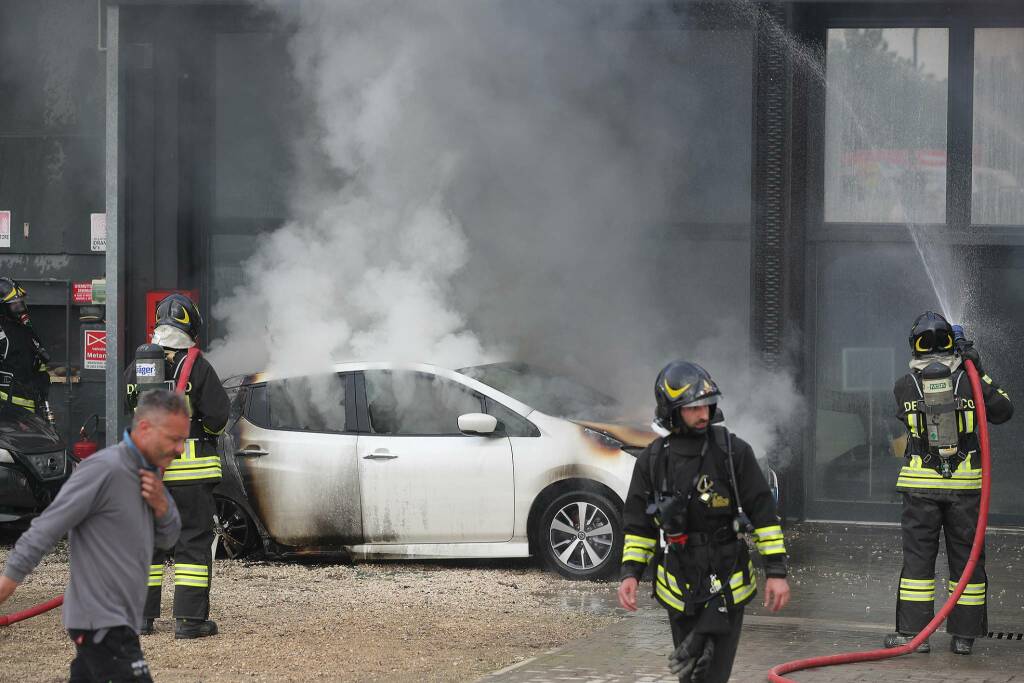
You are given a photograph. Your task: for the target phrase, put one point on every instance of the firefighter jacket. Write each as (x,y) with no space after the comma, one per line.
(922,472)
(24,380)
(693,469)
(208,406)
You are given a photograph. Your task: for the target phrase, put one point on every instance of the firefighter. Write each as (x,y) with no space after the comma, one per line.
(24,380)
(192,476)
(941,480)
(695,487)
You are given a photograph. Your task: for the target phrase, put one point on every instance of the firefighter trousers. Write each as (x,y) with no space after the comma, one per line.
(193,556)
(725,646)
(924,515)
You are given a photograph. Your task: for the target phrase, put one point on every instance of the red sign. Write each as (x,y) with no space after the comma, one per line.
(95,350)
(81,292)
(155,296)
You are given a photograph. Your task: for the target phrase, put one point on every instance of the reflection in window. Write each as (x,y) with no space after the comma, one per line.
(407,403)
(998,175)
(315,403)
(885,129)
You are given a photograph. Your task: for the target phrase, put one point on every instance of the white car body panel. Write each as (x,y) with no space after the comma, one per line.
(443,496)
(427,489)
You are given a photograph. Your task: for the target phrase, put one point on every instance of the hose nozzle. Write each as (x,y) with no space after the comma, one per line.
(958,332)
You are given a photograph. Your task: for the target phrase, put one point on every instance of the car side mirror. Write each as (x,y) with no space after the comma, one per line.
(477,424)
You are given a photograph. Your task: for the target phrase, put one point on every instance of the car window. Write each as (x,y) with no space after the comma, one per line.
(258,409)
(510,423)
(414,403)
(315,403)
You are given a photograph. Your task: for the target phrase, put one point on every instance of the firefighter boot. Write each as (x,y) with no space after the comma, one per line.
(899,639)
(960,645)
(194,628)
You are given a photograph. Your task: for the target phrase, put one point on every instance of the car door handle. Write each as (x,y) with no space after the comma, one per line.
(380,455)
(252,450)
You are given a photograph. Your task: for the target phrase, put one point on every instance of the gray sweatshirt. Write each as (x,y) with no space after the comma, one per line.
(112,532)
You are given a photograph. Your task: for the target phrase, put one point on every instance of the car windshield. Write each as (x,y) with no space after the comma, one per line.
(546,391)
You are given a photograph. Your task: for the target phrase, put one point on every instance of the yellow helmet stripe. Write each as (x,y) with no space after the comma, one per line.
(674,393)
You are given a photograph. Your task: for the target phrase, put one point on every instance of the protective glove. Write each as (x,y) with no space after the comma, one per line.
(966,349)
(692,659)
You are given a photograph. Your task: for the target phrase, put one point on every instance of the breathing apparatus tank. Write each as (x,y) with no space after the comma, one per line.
(940,410)
(149,368)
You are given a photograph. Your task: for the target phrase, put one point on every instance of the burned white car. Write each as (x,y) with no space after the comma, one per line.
(378,460)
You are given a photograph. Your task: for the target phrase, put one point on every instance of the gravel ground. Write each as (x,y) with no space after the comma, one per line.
(411,621)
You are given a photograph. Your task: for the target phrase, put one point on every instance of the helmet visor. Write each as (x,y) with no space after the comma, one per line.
(705,401)
(933,341)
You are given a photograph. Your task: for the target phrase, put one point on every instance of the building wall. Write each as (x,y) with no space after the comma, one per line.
(52,83)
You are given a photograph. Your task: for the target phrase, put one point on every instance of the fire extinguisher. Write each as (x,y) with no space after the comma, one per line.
(86,445)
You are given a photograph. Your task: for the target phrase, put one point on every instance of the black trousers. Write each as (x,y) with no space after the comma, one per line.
(117,657)
(956,514)
(725,646)
(193,557)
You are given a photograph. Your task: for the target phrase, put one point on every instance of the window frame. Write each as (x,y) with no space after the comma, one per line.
(351,419)
(364,407)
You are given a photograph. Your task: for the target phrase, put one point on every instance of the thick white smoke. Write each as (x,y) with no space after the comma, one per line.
(518,180)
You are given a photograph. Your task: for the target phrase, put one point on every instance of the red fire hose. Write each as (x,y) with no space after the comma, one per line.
(7,620)
(776,674)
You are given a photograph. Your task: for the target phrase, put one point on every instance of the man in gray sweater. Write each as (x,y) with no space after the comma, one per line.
(113,508)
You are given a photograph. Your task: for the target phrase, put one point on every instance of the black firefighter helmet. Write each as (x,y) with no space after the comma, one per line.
(177,310)
(930,334)
(12,296)
(681,384)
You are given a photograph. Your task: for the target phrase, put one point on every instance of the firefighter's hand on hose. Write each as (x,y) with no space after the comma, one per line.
(967,351)
(153,493)
(776,594)
(627,593)
(692,659)
(7,586)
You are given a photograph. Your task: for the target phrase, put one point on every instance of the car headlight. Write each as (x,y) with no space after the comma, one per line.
(47,466)
(5,457)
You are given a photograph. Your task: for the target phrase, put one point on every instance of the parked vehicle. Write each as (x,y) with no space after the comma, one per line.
(34,464)
(376,460)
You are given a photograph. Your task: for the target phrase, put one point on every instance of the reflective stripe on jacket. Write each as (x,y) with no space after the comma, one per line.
(195,464)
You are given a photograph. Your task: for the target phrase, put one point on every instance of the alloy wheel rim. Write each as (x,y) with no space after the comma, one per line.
(232,527)
(581,536)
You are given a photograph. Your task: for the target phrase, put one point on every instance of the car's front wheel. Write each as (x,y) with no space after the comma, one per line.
(579,535)
(236,532)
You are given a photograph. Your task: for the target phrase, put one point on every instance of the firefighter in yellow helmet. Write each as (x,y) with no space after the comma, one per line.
(695,488)
(941,480)
(191,477)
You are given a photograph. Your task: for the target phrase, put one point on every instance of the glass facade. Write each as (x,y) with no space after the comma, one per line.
(885,125)
(997,196)
(886,128)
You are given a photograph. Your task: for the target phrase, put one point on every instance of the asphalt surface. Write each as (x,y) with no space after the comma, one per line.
(843,579)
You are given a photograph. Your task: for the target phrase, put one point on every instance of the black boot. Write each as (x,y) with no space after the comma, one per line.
(194,628)
(899,639)
(147,627)
(960,645)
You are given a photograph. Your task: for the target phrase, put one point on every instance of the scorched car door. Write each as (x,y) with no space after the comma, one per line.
(297,463)
(421,480)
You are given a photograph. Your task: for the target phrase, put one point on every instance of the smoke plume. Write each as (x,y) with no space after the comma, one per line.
(561,183)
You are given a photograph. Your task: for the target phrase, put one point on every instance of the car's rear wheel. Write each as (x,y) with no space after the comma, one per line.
(579,535)
(236,532)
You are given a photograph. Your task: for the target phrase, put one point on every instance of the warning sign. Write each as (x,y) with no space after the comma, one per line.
(98,231)
(81,292)
(5,228)
(95,349)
